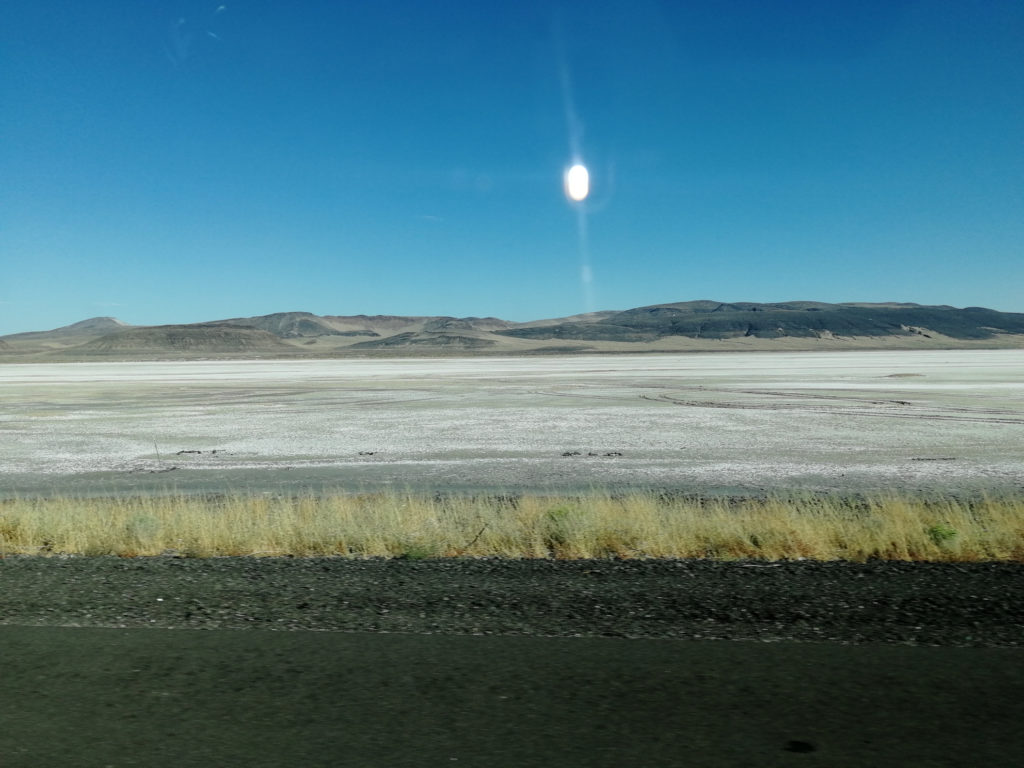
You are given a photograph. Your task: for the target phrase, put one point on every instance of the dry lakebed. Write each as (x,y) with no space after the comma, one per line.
(731,422)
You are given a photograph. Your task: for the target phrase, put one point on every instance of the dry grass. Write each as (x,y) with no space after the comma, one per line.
(588,526)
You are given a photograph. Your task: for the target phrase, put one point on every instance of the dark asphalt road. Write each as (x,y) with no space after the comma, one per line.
(109,662)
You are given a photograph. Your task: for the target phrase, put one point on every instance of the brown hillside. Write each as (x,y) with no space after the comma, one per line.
(185,340)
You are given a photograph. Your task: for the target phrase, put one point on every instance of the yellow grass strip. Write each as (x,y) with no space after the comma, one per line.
(595,525)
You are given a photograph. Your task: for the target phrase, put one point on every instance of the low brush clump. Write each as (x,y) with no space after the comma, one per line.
(642,525)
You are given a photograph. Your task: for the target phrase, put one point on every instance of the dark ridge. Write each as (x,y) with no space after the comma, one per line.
(410,339)
(716,320)
(285,325)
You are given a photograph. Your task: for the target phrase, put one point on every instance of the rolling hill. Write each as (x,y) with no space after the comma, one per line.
(681,326)
(801,319)
(186,341)
(94,326)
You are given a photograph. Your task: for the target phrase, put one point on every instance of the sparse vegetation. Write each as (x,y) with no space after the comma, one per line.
(596,525)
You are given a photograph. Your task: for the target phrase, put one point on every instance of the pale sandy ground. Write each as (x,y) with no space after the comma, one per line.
(741,422)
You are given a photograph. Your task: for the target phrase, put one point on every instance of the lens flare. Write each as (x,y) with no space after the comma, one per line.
(577,183)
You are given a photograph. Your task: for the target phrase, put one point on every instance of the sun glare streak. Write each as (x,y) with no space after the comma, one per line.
(576,180)
(586,270)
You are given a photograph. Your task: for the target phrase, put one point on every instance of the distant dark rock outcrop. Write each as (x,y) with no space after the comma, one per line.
(285,325)
(436,340)
(717,320)
(445,324)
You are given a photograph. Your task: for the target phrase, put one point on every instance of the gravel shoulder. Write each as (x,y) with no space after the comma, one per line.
(963,604)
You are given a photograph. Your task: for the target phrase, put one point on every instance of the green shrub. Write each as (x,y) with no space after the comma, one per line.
(942,533)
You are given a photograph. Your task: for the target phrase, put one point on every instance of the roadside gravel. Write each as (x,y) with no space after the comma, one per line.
(969,604)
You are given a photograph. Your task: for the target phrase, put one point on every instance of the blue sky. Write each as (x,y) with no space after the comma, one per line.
(167,161)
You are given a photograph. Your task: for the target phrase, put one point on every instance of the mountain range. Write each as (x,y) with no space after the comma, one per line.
(681,326)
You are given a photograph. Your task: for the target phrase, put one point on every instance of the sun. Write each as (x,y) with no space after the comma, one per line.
(577,183)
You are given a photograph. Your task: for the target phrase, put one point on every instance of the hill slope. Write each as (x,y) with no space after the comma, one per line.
(186,341)
(286,325)
(94,326)
(715,320)
(675,327)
